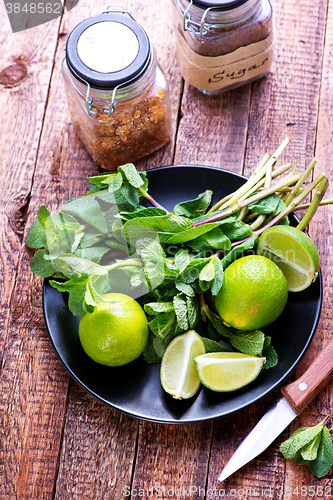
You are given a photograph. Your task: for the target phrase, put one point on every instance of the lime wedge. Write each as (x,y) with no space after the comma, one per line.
(227,371)
(178,374)
(294,252)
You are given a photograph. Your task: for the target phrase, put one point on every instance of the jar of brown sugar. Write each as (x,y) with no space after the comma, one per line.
(222,44)
(118,95)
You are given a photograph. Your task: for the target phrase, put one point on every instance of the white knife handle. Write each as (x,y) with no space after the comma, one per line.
(304,389)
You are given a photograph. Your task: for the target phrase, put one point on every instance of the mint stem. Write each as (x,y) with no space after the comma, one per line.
(151,199)
(238,206)
(323,185)
(326,419)
(295,190)
(129,262)
(297,200)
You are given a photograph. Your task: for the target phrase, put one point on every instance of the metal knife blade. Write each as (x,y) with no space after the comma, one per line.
(275,420)
(297,396)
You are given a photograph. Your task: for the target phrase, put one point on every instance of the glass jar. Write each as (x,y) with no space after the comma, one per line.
(118,96)
(222,44)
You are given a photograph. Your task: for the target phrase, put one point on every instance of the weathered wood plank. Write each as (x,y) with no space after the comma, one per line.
(98,450)
(28,403)
(285,103)
(213,129)
(321,232)
(155,18)
(172,460)
(25,69)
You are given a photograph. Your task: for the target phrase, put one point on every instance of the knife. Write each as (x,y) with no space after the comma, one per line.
(297,396)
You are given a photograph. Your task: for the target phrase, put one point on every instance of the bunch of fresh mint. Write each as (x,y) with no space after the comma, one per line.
(109,240)
(311,445)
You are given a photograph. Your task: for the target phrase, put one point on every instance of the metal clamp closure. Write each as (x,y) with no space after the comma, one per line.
(111,10)
(200,28)
(98,105)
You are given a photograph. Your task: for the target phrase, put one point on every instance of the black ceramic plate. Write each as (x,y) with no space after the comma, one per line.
(135,389)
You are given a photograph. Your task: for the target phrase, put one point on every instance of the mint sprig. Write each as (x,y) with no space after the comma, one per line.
(311,445)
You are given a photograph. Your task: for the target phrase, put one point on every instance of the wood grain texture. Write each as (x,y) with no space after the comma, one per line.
(320,231)
(213,129)
(98,450)
(28,410)
(172,460)
(287,101)
(25,71)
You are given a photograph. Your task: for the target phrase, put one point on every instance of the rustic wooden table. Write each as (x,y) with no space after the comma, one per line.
(56,441)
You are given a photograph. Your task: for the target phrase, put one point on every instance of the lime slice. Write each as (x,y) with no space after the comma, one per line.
(294,252)
(227,371)
(178,374)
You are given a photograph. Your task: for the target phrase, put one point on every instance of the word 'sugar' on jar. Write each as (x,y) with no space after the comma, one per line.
(118,95)
(222,44)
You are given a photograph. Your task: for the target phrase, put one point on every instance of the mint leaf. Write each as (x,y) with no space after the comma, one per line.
(236,230)
(313,445)
(267,205)
(250,343)
(42,215)
(309,451)
(71,284)
(323,464)
(40,266)
(193,312)
(79,266)
(104,182)
(217,282)
(36,236)
(163,324)
(165,226)
(180,305)
(93,253)
(213,240)
(143,212)
(130,173)
(87,209)
(127,197)
(196,207)
(185,288)
(299,439)
(182,259)
(212,346)
(153,308)
(191,233)
(270,354)
(207,274)
(192,270)
(75,300)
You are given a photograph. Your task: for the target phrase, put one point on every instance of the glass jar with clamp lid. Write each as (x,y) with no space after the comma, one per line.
(118,95)
(222,44)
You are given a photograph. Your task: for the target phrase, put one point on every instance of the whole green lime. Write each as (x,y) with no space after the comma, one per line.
(116,332)
(254,293)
